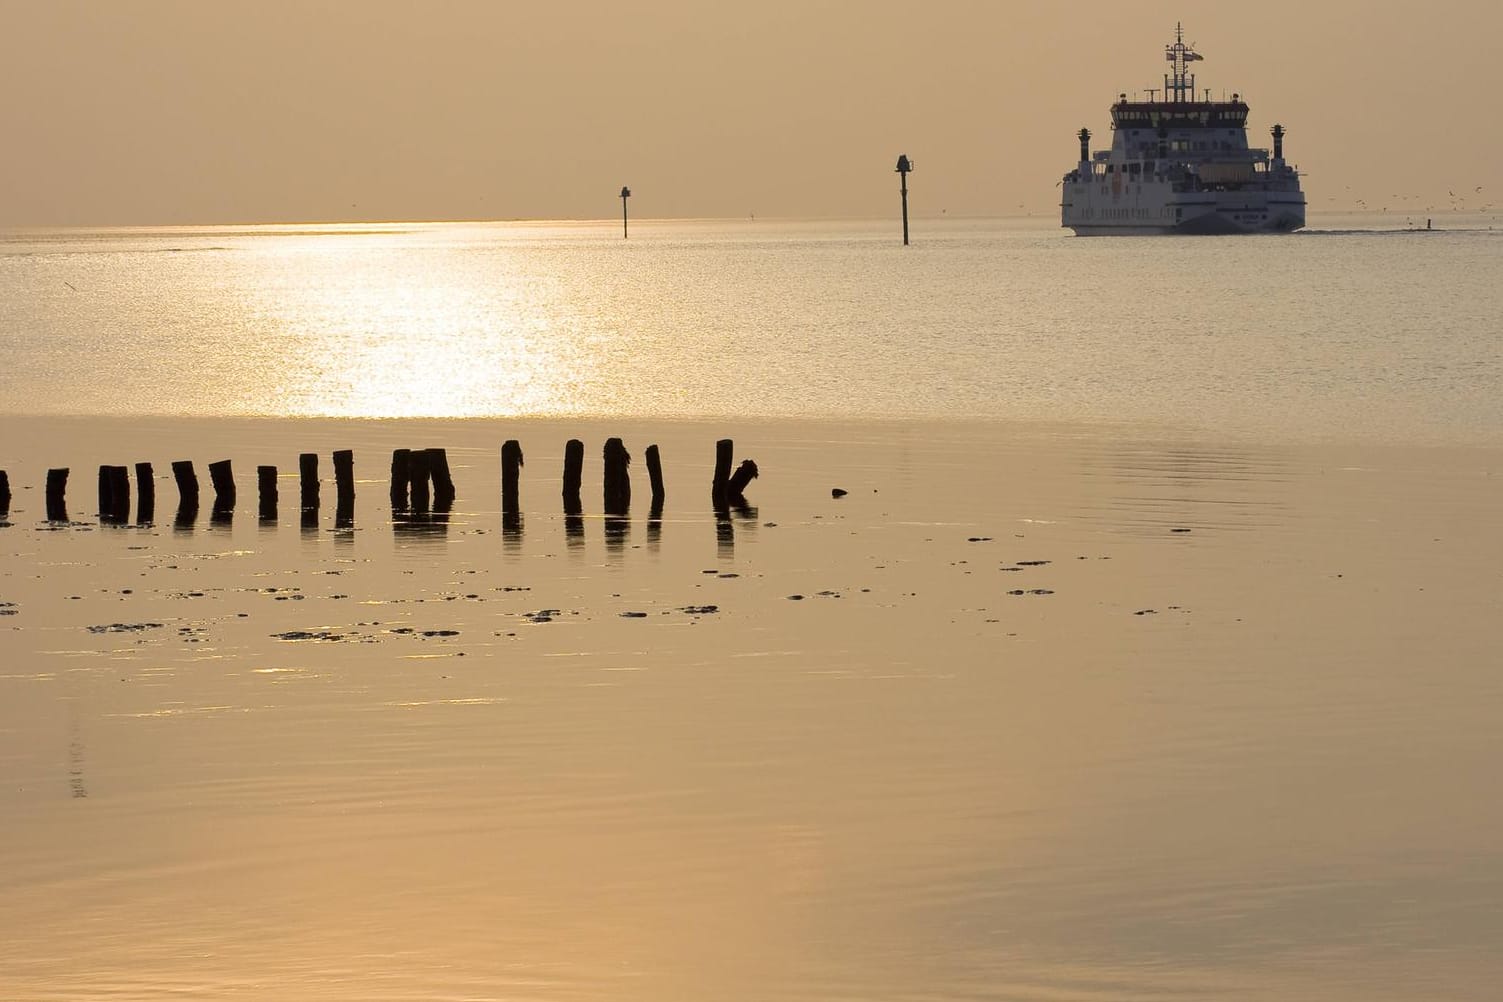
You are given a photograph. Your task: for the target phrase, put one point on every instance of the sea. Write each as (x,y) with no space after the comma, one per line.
(1111,619)
(1359,327)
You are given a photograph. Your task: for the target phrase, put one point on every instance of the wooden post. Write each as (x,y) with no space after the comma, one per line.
(344,488)
(573,475)
(266,481)
(114,494)
(307,469)
(443,483)
(119,494)
(744,475)
(417,479)
(723,452)
(57,489)
(617,479)
(399,485)
(511,470)
(223,478)
(187,483)
(655,476)
(146,495)
(106,505)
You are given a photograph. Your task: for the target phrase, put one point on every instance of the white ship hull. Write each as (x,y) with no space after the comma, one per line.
(1153,208)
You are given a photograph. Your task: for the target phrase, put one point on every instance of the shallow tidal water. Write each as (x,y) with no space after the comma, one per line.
(1146,701)
(1348,330)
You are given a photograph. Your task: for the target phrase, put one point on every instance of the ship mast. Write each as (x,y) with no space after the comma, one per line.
(1179,85)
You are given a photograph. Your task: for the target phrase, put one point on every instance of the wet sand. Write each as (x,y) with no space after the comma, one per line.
(1031,712)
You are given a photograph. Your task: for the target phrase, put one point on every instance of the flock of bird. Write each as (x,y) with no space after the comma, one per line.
(1458,203)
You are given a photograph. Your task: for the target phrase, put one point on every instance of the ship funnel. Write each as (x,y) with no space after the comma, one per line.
(1085,144)
(1278,142)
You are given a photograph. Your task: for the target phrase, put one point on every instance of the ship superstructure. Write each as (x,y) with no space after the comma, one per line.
(1181,165)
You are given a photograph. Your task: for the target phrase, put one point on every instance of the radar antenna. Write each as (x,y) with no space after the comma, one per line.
(1179,85)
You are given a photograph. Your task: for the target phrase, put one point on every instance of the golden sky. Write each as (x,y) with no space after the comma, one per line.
(201,111)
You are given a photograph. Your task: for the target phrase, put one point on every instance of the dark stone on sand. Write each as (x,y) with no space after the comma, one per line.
(837,492)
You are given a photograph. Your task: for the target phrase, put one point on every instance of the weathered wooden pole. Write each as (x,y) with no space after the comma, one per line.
(119,493)
(625,194)
(57,489)
(443,483)
(573,475)
(744,475)
(904,166)
(223,478)
(655,477)
(307,472)
(114,494)
(187,483)
(266,482)
(511,472)
(617,479)
(344,488)
(399,484)
(417,480)
(724,450)
(146,494)
(106,510)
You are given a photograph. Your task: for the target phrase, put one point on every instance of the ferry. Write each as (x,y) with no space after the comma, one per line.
(1181,165)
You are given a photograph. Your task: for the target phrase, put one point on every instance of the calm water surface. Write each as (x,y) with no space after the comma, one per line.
(1152,668)
(1334,333)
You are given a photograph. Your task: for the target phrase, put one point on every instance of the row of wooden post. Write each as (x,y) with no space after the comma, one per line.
(114,490)
(420,482)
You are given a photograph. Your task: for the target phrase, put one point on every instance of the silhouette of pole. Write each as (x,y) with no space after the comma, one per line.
(904,166)
(57,487)
(511,474)
(146,494)
(625,194)
(573,476)
(266,487)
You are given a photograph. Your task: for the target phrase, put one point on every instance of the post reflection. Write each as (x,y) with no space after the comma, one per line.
(511,531)
(617,529)
(655,525)
(419,526)
(726,517)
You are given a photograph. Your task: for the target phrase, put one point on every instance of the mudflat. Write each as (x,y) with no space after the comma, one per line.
(1030,711)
